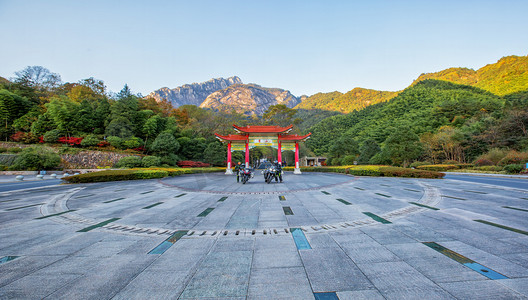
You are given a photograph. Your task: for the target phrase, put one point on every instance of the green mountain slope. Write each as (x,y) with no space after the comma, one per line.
(356,99)
(424,107)
(508,75)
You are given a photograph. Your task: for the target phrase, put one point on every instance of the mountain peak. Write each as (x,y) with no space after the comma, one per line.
(194,93)
(249,99)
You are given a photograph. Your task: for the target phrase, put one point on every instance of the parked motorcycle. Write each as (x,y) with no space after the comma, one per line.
(247,173)
(272,173)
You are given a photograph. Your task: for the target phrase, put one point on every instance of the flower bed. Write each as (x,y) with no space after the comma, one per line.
(192,164)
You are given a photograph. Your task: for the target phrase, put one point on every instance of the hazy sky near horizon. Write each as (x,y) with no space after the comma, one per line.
(304,46)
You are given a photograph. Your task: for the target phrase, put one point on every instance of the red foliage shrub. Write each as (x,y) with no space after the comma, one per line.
(41,139)
(140,149)
(103,144)
(72,141)
(192,164)
(18,136)
(483,162)
(24,137)
(514,157)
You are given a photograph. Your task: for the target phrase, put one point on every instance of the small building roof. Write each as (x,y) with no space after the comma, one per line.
(294,137)
(262,129)
(232,137)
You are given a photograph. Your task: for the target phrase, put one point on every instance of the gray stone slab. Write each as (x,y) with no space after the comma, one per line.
(518,258)
(329,269)
(71,265)
(444,269)
(487,289)
(421,233)
(35,286)
(386,235)
(519,285)
(276,258)
(222,274)
(285,242)
(142,246)
(105,280)
(105,248)
(352,236)
(413,251)
(168,285)
(279,283)
(234,244)
(182,257)
(368,252)
(360,295)
(321,240)
(396,276)
(496,263)
(417,293)
(24,266)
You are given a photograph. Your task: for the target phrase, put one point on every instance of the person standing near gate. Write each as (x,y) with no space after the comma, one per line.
(238,168)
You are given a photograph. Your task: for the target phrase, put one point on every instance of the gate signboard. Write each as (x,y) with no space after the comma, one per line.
(288,147)
(238,147)
(263,141)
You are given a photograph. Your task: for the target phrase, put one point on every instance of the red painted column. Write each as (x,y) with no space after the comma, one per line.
(279,153)
(247,154)
(296,155)
(229,163)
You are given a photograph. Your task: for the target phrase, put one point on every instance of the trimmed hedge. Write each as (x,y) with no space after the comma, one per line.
(116,175)
(135,174)
(373,170)
(438,168)
(488,168)
(404,172)
(514,168)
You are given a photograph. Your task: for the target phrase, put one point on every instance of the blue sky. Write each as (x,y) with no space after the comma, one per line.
(303,46)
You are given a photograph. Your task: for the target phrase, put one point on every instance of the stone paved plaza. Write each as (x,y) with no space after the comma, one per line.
(315,236)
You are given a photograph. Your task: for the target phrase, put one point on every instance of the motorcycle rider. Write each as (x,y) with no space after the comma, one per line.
(279,170)
(238,169)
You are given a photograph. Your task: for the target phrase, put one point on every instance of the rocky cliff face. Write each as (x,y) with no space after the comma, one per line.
(249,99)
(194,93)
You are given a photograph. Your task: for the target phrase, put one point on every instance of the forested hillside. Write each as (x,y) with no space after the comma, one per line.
(508,75)
(445,121)
(355,99)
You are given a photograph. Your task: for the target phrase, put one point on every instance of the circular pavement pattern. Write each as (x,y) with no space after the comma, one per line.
(215,204)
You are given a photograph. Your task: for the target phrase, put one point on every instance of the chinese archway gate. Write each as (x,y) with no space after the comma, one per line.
(254,136)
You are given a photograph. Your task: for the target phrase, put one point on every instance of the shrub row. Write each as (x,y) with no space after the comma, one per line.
(135,174)
(116,175)
(510,168)
(438,168)
(372,170)
(192,164)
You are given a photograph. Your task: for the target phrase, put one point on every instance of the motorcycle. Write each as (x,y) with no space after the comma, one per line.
(272,173)
(246,175)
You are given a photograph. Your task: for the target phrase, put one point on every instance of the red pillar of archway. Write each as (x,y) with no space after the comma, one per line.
(297,170)
(279,153)
(229,163)
(247,154)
